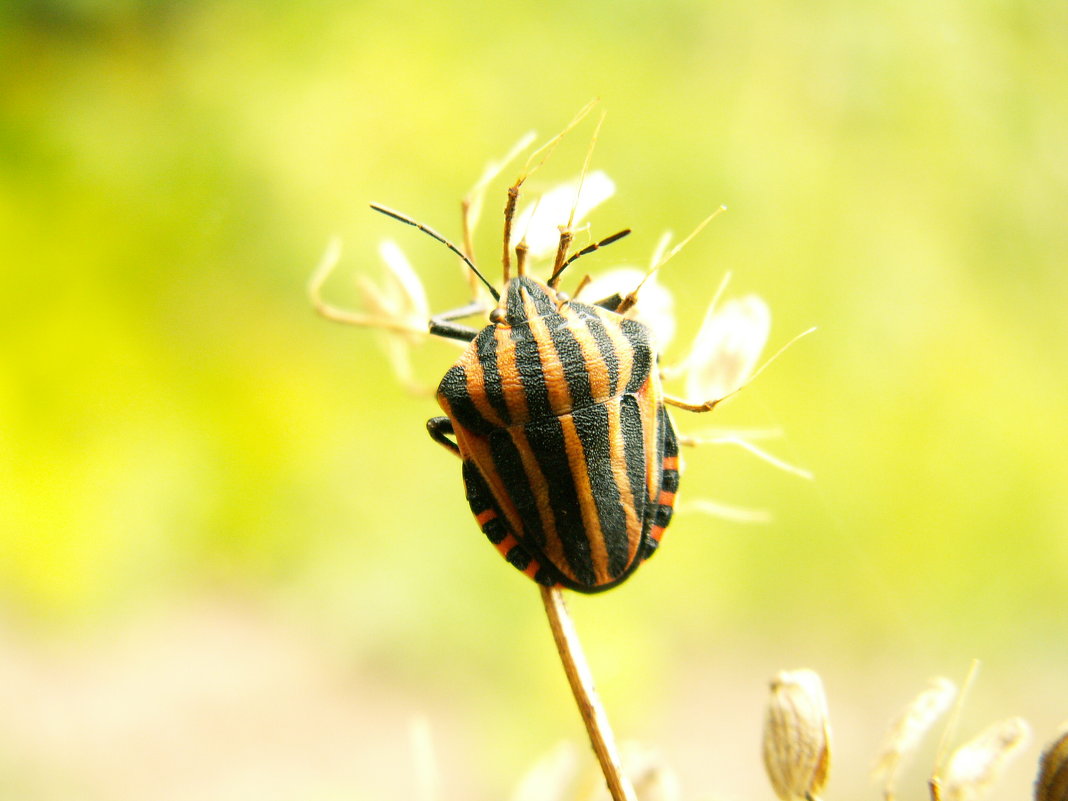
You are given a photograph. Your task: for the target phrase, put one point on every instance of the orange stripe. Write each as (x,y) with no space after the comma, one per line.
(649,401)
(552,367)
(476,387)
(477,449)
(600,388)
(671,462)
(619,474)
(463,436)
(514,396)
(554,548)
(506,545)
(621,345)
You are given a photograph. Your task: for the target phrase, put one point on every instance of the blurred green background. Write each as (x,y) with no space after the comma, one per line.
(233,565)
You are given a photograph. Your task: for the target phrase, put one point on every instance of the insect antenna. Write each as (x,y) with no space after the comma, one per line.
(567,232)
(396,215)
(472,202)
(632,297)
(608,240)
(528,170)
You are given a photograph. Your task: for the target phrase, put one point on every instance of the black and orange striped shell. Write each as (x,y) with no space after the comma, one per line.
(570,458)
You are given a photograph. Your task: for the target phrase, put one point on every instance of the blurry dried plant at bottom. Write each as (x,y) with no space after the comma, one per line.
(567,774)
(797,736)
(975,766)
(906,732)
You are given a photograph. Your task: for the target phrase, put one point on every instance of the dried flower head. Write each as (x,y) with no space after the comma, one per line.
(1052,781)
(567,774)
(907,731)
(977,764)
(797,736)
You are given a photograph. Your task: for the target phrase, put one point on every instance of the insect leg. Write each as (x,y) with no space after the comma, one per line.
(442,325)
(612,302)
(449,330)
(704,406)
(709,405)
(439,428)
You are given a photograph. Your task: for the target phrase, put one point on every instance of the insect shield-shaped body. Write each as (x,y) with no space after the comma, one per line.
(570,459)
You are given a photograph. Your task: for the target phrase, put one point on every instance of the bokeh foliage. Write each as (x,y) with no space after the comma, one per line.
(174,420)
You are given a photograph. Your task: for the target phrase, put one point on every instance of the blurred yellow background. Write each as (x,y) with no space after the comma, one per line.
(233,565)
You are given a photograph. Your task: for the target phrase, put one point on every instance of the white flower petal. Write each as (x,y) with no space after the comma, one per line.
(539,222)
(727,348)
(656,305)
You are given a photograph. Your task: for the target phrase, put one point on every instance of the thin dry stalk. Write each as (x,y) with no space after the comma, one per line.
(581,680)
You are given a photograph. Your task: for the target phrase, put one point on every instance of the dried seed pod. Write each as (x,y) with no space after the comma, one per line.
(1052,781)
(977,764)
(797,736)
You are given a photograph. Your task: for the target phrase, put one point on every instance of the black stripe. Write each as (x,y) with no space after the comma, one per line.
(667,427)
(638,336)
(481,500)
(670,481)
(547,443)
(576,371)
(592,426)
(531,375)
(517,556)
(547,576)
(515,311)
(630,425)
(478,493)
(453,388)
(486,346)
(656,513)
(663,515)
(509,467)
(495,530)
(596,327)
(649,546)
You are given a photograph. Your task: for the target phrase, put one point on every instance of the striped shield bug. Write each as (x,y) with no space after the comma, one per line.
(570,459)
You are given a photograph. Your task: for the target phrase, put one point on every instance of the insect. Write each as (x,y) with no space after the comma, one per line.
(570,459)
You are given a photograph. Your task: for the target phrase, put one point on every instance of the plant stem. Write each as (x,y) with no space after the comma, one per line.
(581,680)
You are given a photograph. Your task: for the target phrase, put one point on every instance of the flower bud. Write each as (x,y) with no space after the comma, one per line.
(1052,781)
(797,737)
